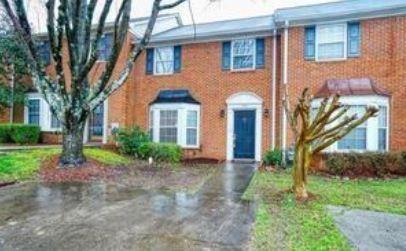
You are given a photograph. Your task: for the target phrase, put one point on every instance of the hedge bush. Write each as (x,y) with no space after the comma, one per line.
(19,133)
(5,133)
(130,139)
(272,157)
(160,152)
(370,164)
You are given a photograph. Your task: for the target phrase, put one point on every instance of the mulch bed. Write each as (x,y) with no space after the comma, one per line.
(3,184)
(89,171)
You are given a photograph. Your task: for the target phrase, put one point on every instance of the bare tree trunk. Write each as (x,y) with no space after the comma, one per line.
(300,167)
(72,146)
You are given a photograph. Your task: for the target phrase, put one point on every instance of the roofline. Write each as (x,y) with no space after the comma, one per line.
(204,39)
(266,30)
(110,25)
(396,10)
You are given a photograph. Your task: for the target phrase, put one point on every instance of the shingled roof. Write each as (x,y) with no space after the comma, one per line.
(349,87)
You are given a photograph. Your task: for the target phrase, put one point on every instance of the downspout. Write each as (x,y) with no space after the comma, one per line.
(273,91)
(285,82)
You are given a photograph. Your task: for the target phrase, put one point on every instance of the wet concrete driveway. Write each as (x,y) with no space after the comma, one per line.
(101,216)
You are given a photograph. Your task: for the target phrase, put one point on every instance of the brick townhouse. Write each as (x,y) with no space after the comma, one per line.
(216,88)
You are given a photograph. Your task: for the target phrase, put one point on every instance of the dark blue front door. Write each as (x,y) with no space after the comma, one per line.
(244,133)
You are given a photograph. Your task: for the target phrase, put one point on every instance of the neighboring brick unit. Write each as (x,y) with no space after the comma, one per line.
(383,59)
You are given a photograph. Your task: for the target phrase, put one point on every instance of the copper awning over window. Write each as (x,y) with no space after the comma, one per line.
(351,87)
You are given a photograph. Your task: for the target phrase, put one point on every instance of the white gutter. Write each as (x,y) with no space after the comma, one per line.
(285,82)
(273,92)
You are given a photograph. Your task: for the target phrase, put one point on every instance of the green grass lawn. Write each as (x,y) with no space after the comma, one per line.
(22,165)
(283,224)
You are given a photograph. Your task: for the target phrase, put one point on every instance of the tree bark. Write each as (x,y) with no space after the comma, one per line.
(72,146)
(301,165)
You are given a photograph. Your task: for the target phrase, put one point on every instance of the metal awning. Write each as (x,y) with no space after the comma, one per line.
(175,96)
(351,87)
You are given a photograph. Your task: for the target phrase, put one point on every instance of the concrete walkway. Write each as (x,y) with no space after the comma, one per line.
(371,231)
(100,216)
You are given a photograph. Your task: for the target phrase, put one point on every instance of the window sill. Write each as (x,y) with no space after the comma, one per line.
(331,60)
(162,74)
(191,147)
(243,70)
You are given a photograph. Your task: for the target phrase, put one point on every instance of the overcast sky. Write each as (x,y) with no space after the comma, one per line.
(203,10)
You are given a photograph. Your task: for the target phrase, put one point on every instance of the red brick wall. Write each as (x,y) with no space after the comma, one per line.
(203,76)
(383,58)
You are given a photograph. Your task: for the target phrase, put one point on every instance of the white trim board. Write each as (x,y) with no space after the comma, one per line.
(240,102)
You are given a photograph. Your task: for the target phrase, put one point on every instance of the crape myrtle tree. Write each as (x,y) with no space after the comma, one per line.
(71,21)
(316,130)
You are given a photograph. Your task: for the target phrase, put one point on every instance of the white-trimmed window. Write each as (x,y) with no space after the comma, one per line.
(357,138)
(164,60)
(191,128)
(151,124)
(331,42)
(38,112)
(168,126)
(383,128)
(175,123)
(55,123)
(34,111)
(372,135)
(243,54)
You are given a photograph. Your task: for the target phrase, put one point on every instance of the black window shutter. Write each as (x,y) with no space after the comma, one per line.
(226,55)
(150,61)
(310,43)
(177,58)
(260,57)
(354,38)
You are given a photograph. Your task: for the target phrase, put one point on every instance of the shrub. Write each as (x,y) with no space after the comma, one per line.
(370,164)
(130,139)
(5,133)
(25,134)
(160,152)
(19,133)
(272,158)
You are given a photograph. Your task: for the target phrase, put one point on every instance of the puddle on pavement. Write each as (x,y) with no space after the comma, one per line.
(106,216)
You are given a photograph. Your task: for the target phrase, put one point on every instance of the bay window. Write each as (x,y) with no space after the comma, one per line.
(37,112)
(373,134)
(175,123)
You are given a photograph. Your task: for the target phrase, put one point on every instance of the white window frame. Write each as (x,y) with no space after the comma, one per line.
(173,60)
(45,114)
(170,126)
(182,122)
(345,38)
(254,58)
(372,123)
(387,128)
(364,125)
